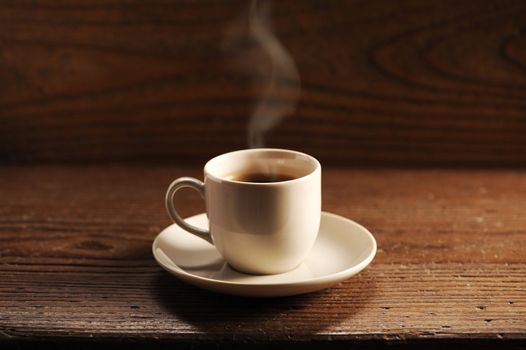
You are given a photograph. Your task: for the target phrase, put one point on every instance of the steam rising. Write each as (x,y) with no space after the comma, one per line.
(272,64)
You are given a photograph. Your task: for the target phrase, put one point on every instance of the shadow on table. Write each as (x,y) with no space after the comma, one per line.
(285,317)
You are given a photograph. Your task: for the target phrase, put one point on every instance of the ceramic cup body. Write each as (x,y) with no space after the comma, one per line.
(261,228)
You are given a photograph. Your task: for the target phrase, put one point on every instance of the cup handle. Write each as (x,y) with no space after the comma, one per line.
(197,185)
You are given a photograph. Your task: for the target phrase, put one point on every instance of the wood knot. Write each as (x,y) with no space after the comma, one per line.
(92,245)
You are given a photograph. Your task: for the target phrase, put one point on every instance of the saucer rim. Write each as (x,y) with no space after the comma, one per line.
(341,275)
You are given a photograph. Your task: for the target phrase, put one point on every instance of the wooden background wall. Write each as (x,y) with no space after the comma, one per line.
(384,82)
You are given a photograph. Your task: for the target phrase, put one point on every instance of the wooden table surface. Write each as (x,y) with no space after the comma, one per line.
(413,83)
(76,263)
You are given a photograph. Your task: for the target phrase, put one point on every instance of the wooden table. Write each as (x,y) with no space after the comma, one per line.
(76,265)
(408,84)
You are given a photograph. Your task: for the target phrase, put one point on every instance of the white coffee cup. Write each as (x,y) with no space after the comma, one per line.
(258,227)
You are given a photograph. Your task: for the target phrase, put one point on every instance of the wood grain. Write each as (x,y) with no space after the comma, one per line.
(432,82)
(76,263)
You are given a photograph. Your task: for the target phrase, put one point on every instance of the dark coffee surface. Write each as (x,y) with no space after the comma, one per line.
(260,177)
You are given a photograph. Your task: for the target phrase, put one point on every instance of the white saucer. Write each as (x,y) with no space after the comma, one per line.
(343,248)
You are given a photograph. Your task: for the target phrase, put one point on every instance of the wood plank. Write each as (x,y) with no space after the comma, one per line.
(76,264)
(429,82)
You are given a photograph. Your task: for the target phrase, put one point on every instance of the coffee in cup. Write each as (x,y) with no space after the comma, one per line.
(263,207)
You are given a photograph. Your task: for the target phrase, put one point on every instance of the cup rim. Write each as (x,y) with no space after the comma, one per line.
(209,174)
